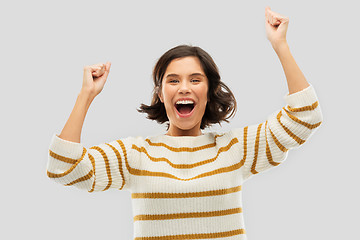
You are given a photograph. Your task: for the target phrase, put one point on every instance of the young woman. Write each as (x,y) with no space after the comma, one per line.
(186,184)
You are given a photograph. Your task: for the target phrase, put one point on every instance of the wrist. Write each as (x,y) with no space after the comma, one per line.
(86,96)
(280,46)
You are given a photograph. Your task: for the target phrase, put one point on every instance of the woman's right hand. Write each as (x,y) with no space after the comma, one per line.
(94,78)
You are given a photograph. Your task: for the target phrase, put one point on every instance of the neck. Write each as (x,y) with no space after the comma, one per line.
(181,132)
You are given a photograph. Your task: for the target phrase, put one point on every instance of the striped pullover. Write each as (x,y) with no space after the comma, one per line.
(187,187)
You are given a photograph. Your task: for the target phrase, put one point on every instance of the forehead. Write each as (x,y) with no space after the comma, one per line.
(184,65)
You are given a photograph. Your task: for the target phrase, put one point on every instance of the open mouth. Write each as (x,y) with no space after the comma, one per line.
(185,109)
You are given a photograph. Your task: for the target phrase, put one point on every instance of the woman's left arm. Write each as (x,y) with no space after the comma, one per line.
(276,27)
(266,145)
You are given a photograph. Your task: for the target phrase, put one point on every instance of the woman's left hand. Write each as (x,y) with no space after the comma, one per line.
(276,26)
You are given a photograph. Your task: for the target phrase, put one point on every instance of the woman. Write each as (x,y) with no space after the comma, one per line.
(186,184)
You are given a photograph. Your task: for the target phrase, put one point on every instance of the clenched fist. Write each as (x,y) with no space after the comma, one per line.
(276,26)
(95,77)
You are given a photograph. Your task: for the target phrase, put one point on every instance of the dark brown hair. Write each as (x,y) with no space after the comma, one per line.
(221,104)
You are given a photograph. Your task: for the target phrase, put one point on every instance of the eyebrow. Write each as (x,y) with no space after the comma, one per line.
(191,75)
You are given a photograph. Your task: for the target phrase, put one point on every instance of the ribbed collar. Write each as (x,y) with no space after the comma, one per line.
(184,141)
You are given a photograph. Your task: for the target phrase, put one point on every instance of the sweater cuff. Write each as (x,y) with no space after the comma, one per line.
(66,148)
(302,98)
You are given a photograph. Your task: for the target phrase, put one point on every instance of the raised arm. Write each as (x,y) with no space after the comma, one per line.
(97,168)
(276,27)
(266,145)
(93,82)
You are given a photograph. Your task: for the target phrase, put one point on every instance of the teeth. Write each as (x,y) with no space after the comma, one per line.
(185,102)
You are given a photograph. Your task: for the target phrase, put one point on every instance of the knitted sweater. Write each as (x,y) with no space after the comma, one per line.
(187,187)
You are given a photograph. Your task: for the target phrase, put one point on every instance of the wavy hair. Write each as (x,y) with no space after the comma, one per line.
(221,104)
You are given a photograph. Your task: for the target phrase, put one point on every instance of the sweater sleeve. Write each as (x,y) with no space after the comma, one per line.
(266,145)
(97,168)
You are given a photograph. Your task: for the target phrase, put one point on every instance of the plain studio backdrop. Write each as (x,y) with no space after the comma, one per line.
(44,46)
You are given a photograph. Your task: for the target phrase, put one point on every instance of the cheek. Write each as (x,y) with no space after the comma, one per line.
(204,94)
(167,95)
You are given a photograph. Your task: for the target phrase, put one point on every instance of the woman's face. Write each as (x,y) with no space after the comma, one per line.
(184,94)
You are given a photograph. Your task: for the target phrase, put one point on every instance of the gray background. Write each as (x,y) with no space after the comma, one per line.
(45,45)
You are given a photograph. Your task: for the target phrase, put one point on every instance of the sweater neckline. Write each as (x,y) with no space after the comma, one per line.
(185,137)
(179,140)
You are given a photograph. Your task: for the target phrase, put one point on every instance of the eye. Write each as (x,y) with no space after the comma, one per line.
(173,81)
(195,80)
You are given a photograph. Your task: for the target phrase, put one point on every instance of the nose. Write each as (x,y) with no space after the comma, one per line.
(184,87)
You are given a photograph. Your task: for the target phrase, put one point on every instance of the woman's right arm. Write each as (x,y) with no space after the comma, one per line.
(73,126)
(93,82)
(97,168)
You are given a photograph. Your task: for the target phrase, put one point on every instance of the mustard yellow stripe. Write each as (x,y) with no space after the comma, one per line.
(120,164)
(107,165)
(62,158)
(222,149)
(58,175)
(305,108)
(245,140)
(139,172)
(126,159)
(308,125)
(268,151)
(196,236)
(92,160)
(184,149)
(253,171)
(277,142)
(291,134)
(171,216)
(84,178)
(157,195)
(124,151)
